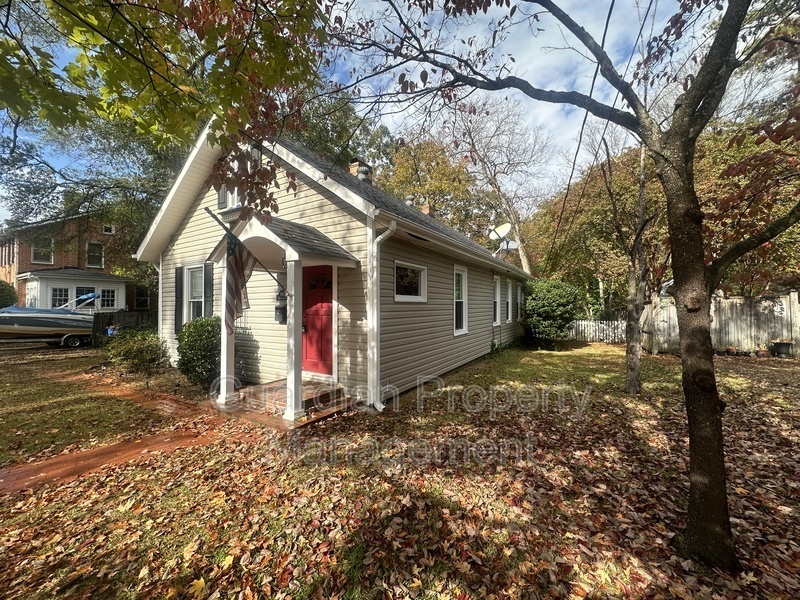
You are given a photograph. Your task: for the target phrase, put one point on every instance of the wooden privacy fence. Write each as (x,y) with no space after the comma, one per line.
(609,332)
(741,321)
(128,318)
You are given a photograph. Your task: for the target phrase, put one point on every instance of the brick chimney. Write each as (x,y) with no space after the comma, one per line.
(427,209)
(361,170)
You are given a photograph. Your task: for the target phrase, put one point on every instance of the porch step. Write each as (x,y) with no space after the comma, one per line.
(270,398)
(323,397)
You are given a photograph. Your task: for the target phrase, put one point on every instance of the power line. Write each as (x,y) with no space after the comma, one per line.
(605,127)
(580,137)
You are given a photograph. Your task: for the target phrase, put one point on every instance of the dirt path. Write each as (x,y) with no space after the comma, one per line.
(193,425)
(66,467)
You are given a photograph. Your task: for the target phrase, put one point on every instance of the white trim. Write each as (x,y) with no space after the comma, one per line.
(161,295)
(321,178)
(187,290)
(423,282)
(335,369)
(102,255)
(454,246)
(199,145)
(374,388)
(496,297)
(465,298)
(294,342)
(509,303)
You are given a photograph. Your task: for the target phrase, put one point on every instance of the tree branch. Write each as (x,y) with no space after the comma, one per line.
(702,98)
(716,270)
(607,69)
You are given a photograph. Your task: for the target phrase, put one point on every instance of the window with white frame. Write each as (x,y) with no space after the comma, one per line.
(459,300)
(42,250)
(508,301)
(227,198)
(59,297)
(109,229)
(82,291)
(108,298)
(496,301)
(194,298)
(410,282)
(519,302)
(94,255)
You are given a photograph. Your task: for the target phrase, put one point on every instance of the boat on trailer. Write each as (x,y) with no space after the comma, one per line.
(61,325)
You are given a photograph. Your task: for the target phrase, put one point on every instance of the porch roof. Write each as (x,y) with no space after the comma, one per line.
(302,240)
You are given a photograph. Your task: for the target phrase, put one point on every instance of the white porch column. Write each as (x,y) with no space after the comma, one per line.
(227,376)
(294,341)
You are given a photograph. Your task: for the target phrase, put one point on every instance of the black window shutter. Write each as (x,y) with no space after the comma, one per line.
(208,289)
(178,299)
(222,197)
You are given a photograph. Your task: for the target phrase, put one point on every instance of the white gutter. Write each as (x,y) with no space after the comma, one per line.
(374,395)
(446,242)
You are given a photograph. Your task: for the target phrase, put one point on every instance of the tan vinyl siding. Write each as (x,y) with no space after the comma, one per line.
(260,351)
(261,355)
(318,207)
(417,339)
(193,241)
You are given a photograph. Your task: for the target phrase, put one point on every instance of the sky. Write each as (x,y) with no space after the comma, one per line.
(543,57)
(546,56)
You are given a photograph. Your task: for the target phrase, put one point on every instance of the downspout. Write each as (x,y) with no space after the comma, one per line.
(160,269)
(374,395)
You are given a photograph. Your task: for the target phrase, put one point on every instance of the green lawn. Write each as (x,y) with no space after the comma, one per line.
(45,407)
(573,491)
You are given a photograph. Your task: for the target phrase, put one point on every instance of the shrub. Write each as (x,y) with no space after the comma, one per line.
(198,350)
(136,350)
(8,294)
(550,307)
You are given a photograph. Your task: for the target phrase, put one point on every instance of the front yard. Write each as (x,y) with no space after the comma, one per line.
(554,484)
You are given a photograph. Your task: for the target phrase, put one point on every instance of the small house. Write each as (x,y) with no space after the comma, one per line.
(352,286)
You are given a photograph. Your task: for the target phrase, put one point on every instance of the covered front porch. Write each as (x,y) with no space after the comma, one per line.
(301,306)
(265,403)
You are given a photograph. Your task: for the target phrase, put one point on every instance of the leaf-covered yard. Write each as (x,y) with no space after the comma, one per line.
(456,497)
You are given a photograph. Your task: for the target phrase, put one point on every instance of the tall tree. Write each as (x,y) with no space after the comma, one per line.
(506,157)
(433,179)
(443,63)
(166,66)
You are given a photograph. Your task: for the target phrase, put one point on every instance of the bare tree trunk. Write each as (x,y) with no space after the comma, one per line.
(637,289)
(523,254)
(708,534)
(634,306)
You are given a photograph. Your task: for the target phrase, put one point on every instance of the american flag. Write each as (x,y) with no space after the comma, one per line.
(240,263)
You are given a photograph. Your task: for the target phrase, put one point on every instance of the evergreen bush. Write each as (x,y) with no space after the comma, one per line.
(136,350)
(8,294)
(550,308)
(198,351)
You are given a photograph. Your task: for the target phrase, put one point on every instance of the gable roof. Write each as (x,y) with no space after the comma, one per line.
(363,196)
(302,239)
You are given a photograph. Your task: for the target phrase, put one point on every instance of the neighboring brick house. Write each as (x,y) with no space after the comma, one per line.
(53,262)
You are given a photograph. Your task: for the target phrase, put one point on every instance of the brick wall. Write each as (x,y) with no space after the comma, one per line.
(70,238)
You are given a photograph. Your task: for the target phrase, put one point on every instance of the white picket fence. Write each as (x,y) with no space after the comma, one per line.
(609,332)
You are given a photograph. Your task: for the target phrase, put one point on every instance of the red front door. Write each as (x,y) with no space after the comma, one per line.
(318,319)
